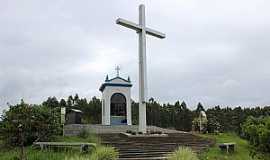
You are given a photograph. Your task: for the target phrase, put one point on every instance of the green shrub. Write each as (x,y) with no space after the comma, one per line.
(104,153)
(93,138)
(183,153)
(76,158)
(84,133)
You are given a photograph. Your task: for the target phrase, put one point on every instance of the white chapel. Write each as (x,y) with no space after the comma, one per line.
(116,101)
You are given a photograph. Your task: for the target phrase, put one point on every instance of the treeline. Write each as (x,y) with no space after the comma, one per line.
(91,108)
(177,115)
(24,123)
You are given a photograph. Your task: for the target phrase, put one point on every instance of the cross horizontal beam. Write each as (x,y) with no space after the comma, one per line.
(128,24)
(155,33)
(138,28)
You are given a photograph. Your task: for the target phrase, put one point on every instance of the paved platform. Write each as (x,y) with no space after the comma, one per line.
(75,129)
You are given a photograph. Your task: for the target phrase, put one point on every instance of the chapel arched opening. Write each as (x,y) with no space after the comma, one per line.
(118,109)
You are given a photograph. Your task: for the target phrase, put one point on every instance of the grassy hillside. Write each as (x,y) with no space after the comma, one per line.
(242,149)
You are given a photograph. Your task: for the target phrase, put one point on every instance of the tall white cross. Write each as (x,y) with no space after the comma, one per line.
(142,30)
(117,68)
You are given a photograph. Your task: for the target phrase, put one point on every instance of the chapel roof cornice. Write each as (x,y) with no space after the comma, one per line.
(110,82)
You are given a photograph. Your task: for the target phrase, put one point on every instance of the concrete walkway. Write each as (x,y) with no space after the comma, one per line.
(75,129)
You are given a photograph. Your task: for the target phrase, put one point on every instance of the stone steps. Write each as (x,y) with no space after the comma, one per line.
(170,149)
(143,151)
(142,154)
(163,148)
(142,148)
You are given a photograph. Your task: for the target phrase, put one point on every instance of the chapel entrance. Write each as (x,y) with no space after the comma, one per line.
(118,109)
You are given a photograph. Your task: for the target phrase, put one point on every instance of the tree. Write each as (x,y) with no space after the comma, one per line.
(92,112)
(70,101)
(135,112)
(199,108)
(187,117)
(257,131)
(63,103)
(51,102)
(23,124)
(213,124)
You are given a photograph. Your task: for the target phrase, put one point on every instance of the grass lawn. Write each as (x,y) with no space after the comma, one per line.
(36,154)
(33,154)
(242,148)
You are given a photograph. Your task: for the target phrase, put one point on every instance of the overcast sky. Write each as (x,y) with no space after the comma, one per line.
(215,52)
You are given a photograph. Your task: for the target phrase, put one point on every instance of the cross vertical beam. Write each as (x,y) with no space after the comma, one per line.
(142,30)
(142,71)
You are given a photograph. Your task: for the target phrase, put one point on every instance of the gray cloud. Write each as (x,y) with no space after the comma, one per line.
(214,52)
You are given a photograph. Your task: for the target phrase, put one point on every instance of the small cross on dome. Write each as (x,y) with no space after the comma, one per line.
(117,68)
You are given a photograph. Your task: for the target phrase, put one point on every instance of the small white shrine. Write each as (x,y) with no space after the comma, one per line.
(116,101)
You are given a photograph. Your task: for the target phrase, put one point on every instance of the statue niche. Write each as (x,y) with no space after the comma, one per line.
(118,109)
